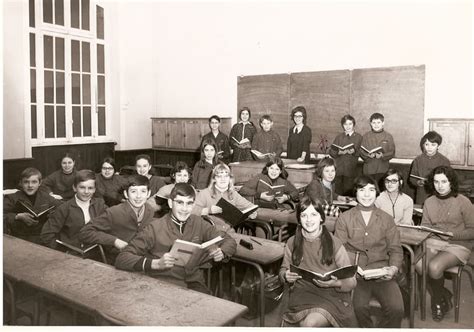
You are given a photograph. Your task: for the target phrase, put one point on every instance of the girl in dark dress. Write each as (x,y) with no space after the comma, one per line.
(245,129)
(299,137)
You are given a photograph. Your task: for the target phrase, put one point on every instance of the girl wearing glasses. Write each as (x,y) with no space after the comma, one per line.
(393,201)
(109,185)
(221,186)
(241,136)
(299,137)
(203,168)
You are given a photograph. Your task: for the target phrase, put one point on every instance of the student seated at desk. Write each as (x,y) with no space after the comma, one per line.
(271,189)
(203,168)
(108,184)
(267,141)
(221,139)
(59,183)
(452,213)
(372,233)
(221,186)
(149,250)
(68,219)
(313,247)
(119,224)
(18,222)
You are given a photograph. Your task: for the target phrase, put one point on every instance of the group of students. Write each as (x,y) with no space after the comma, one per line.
(137,219)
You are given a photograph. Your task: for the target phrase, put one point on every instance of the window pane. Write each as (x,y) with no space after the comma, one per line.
(86,89)
(86,57)
(49,121)
(32,13)
(60,121)
(101,121)
(87,121)
(101,89)
(48,51)
(100,22)
(75,14)
(48,87)
(59,53)
(32,50)
(76,89)
(75,56)
(100,59)
(59,88)
(33,85)
(48,11)
(85,15)
(59,12)
(76,121)
(34,129)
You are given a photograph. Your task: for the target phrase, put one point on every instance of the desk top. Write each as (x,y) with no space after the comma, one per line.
(267,253)
(412,236)
(132,298)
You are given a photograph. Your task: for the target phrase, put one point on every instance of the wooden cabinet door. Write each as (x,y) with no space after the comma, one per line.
(470,145)
(192,134)
(158,133)
(454,139)
(175,134)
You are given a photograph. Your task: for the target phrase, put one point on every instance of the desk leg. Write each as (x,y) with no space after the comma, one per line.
(11,290)
(412,284)
(423,282)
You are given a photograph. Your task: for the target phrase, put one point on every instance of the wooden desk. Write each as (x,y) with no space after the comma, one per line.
(267,253)
(415,238)
(125,297)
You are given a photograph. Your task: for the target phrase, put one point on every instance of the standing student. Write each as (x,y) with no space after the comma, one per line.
(149,251)
(299,137)
(222,141)
(119,224)
(267,141)
(68,219)
(203,168)
(393,201)
(346,159)
(241,130)
(59,183)
(108,184)
(425,163)
(377,163)
(452,213)
(372,233)
(317,303)
(18,222)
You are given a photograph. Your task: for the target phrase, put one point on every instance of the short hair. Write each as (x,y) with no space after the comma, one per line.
(348,117)
(180,166)
(215,117)
(377,116)
(392,171)
(30,171)
(299,109)
(83,175)
(450,174)
(265,117)
(363,180)
(276,161)
(137,180)
(323,163)
(108,160)
(143,156)
(183,189)
(244,109)
(431,136)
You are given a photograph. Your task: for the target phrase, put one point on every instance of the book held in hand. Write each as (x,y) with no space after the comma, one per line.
(23,207)
(345,147)
(183,250)
(273,190)
(340,273)
(426,229)
(418,177)
(231,214)
(374,150)
(80,251)
(258,154)
(371,273)
(242,141)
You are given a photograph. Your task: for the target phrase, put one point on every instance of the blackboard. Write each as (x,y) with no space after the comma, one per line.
(396,92)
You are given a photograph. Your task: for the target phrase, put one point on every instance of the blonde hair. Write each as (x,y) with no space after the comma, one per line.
(221,168)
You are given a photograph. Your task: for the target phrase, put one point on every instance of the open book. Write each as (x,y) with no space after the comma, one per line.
(340,273)
(23,207)
(374,150)
(232,214)
(418,177)
(183,250)
(80,251)
(426,229)
(242,141)
(371,273)
(273,190)
(345,147)
(258,154)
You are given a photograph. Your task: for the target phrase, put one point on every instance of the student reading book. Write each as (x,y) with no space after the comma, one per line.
(266,143)
(242,130)
(149,250)
(316,303)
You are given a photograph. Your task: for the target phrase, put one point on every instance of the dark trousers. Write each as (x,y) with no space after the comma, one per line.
(389,296)
(345,185)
